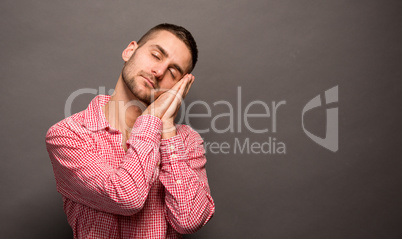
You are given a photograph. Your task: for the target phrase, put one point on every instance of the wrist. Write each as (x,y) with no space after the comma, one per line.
(168,129)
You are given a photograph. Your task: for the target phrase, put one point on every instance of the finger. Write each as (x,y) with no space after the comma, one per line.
(189,86)
(166,99)
(177,97)
(170,94)
(179,93)
(175,89)
(179,83)
(174,96)
(183,87)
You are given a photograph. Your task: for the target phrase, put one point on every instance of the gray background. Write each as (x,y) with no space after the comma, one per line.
(273,50)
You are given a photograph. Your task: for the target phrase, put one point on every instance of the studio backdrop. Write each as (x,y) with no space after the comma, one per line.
(298,103)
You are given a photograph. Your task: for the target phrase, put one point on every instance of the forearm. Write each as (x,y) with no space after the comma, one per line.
(85,175)
(183,174)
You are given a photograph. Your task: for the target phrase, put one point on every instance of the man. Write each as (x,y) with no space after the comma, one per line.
(128,173)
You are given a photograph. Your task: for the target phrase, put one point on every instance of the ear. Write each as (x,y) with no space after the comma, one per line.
(128,52)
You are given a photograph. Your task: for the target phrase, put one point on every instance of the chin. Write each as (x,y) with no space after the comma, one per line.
(142,96)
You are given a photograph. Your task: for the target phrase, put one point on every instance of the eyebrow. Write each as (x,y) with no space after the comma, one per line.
(163,51)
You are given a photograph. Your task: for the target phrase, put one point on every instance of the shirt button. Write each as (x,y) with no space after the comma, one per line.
(178,181)
(159,163)
(172,147)
(174,156)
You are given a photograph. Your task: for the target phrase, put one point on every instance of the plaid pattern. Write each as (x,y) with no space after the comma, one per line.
(157,189)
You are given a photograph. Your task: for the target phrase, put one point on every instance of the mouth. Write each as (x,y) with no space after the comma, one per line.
(149,81)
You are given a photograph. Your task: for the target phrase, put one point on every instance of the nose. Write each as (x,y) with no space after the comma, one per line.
(158,70)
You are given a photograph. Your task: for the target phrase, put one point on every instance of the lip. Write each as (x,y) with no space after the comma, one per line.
(149,82)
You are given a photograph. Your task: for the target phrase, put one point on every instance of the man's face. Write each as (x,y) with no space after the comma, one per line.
(156,66)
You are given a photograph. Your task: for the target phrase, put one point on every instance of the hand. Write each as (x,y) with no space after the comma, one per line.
(167,105)
(178,95)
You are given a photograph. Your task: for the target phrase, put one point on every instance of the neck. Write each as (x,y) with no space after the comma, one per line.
(120,111)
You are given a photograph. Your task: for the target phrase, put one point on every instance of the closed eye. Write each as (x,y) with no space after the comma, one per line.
(156,56)
(172,71)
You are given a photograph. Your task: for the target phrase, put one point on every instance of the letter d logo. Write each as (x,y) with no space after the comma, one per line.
(331,136)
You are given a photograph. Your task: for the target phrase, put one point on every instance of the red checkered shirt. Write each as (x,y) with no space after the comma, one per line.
(157,189)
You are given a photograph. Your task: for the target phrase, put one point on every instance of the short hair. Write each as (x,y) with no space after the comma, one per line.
(180,32)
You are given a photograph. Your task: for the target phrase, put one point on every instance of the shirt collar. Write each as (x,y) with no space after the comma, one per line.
(94,118)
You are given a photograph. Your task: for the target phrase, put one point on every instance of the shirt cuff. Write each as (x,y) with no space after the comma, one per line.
(172,149)
(147,128)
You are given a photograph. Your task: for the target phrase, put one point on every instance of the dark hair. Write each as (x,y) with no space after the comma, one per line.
(180,32)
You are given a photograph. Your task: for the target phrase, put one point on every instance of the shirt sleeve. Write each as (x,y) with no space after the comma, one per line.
(83,175)
(188,198)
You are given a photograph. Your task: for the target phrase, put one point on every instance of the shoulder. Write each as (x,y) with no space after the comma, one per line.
(86,121)
(71,126)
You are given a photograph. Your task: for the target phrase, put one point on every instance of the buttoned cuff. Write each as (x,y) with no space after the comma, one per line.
(147,128)
(172,149)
